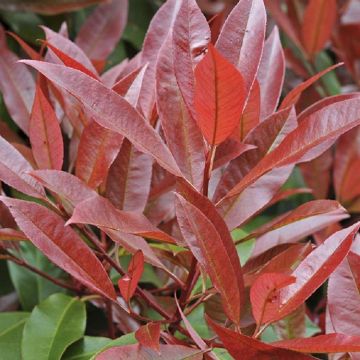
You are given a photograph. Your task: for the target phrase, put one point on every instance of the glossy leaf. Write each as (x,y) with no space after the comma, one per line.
(61,244)
(62,321)
(100,212)
(303,143)
(191,35)
(135,352)
(128,283)
(11,327)
(242,37)
(16,84)
(319,19)
(271,82)
(331,343)
(45,133)
(215,252)
(149,336)
(243,347)
(219,97)
(102,30)
(92,166)
(131,125)
(14,170)
(180,129)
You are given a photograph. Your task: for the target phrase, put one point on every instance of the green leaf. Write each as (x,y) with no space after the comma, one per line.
(11,327)
(330,80)
(127,339)
(222,354)
(85,348)
(30,287)
(53,325)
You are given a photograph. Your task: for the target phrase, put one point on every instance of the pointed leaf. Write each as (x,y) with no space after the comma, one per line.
(102,30)
(219,97)
(16,85)
(318,23)
(97,150)
(242,37)
(45,133)
(149,336)
(62,321)
(61,244)
(128,283)
(181,132)
(191,35)
(331,343)
(215,252)
(271,82)
(136,352)
(100,212)
(104,104)
(14,170)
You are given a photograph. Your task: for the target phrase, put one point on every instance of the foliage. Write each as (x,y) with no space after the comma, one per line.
(186,200)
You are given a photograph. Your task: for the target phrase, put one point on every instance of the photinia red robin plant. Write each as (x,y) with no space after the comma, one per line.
(143,201)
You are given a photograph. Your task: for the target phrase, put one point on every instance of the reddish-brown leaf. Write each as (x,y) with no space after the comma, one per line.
(242,37)
(331,343)
(128,283)
(102,30)
(14,170)
(271,82)
(216,252)
(264,293)
(100,212)
(314,271)
(318,23)
(97,150)
(295,225)
(181,131)
(242,347)
(313,136)
(105,105)
(61,244)
(12,235)
(17,86)
(219,97)
(45,133)
(149,336)
(191,35)
(136,352)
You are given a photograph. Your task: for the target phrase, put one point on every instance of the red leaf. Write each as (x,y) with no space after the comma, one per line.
(271,82)
(100,212)
(314,271)
(128,283)
(215,252)
(318,23)
(12,235)
(17,86)
(34,55)
(219,97)
(241,40)
(97,150)
(102,30)
(191,35)
(293,96)
(181,132)
(331,343)
(242,347)
(45,133)
(135,352)
(61,244)
(149,336)
(264,293)
(312,137)
(295,225)
(105,104)
(14,170)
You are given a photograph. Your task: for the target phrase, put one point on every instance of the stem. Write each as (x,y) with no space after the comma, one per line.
(109,312)
(193,275)
(208,169)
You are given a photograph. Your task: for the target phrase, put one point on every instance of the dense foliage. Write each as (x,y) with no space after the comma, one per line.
(178,196)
